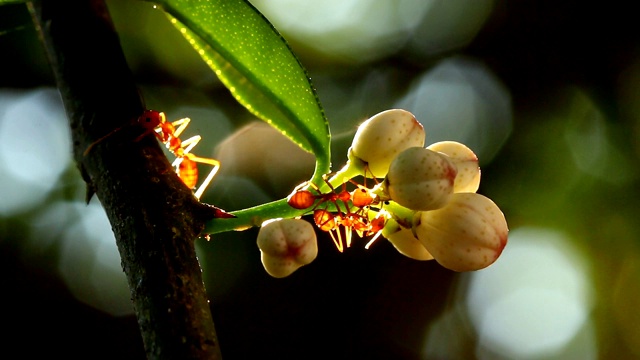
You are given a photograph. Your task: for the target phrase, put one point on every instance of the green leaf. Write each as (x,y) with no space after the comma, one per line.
(258,67)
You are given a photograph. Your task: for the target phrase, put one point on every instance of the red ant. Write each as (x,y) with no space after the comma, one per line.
(185,163)
(155,122)
(303,199)
(361,198)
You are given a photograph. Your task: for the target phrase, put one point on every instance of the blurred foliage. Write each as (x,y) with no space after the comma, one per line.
(550,90)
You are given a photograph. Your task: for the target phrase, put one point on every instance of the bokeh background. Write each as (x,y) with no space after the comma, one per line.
(545,92)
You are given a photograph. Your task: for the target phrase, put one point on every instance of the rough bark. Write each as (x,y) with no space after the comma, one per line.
(154,217)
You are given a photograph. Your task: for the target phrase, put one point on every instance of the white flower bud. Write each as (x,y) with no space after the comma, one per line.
(286,245)
(468,178)
(467,234)
(405,242)
(420,179)
(382,137)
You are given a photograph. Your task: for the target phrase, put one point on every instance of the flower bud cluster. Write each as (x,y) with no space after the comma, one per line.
(426,204)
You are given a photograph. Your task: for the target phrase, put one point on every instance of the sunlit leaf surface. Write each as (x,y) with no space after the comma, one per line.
(257,66)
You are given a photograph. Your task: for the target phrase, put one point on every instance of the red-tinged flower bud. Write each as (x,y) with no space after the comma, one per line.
(286,245)
(420,179)
(469,233)
(468,178)
(382,137)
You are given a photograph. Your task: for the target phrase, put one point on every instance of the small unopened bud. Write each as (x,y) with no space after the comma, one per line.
(469,233)
(286,245)
(405,242)
(468,178)
(382,137)
(420,179)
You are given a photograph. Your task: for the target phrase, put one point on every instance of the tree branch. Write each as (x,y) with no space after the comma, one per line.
(155,218)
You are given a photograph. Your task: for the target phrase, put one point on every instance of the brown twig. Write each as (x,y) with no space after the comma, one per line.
(155,218)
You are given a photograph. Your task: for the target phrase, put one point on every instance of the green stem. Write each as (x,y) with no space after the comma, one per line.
(348,171)
(401,214)
(255,216)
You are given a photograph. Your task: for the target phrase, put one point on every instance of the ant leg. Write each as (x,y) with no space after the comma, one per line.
(347,233)
(88,149)
(305,185)
(168,134)
(368,170)
(337,242)
(190,143)
(300,187)
(373,239)
(180,125)
(376,226)
(185,148)
(330,223)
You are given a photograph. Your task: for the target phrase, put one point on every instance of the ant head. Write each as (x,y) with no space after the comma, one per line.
(151,118)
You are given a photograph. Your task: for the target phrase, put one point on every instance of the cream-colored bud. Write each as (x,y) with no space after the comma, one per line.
(467,234)
(405,242)
(420,179)
(286,245)
(382,137)
(468,178)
